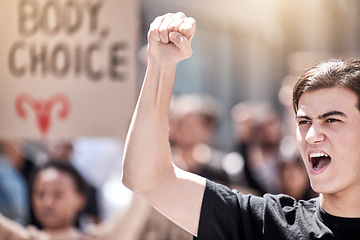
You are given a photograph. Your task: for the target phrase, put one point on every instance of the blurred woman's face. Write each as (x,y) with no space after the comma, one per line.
(55,199)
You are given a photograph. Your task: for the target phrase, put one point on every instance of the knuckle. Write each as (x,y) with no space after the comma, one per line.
(163,31)
(180,14)
(173,28)
(152,32)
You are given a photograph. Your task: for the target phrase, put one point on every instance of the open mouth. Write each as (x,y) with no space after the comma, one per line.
(319,160)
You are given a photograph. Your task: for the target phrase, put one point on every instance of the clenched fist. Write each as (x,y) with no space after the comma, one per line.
(169,38)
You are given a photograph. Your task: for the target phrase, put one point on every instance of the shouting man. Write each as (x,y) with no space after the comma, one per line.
(327,108)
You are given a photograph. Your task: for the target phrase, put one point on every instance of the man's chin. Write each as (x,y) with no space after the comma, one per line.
(320,187)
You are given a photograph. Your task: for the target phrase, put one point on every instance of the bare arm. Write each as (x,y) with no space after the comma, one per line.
(148,168)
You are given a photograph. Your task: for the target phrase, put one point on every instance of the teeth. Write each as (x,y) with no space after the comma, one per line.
(312,155)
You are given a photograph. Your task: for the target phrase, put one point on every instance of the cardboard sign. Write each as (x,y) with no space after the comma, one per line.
(68,67)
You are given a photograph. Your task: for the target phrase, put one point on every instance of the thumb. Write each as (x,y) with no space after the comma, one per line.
(182,43)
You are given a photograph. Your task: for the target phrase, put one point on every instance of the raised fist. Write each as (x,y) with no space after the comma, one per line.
(169,38)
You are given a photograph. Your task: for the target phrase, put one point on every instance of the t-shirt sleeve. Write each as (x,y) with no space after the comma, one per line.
(222,218)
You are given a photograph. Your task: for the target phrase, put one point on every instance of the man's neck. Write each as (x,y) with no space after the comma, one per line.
(341,204)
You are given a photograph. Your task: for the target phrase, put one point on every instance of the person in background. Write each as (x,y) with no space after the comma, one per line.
(59,195)
(194,119)
(293,179)
(63,151)
(15,171)
(258,134)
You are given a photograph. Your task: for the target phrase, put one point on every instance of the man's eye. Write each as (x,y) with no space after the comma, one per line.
(331,120)
(303,122)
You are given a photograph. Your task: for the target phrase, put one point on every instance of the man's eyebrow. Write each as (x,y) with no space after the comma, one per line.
(332,113)
(325,115)
(302,116)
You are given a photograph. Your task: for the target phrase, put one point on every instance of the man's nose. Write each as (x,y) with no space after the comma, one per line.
(314,134)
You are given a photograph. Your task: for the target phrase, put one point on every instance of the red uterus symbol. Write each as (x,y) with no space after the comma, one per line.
(42,109)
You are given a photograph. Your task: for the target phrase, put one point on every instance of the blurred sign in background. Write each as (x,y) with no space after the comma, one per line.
(68,68)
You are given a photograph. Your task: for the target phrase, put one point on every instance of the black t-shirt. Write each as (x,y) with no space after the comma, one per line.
(230,215)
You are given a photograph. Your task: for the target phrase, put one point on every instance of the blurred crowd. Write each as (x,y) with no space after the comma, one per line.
(264,159)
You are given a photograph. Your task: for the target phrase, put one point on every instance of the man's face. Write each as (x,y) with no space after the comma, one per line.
(55,199)
(328,135)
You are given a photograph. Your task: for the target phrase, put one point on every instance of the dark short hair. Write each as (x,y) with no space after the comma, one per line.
(79,182)
(331,73)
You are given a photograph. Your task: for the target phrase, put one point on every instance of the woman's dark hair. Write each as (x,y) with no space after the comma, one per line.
(80,184)
(331,73)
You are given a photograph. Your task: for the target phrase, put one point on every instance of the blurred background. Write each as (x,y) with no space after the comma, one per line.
(231,117)
(243,50)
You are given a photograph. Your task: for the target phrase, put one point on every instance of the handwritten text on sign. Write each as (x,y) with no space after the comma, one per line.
(82,50)
(61,59)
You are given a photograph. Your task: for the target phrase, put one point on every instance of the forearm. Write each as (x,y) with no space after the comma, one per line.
(147,150)
(148,169)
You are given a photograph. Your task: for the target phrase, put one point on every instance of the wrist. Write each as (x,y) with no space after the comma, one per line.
(157,65)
